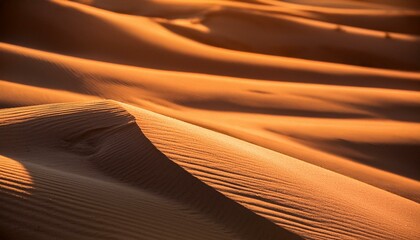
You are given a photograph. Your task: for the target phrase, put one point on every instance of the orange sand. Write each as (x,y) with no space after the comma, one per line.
(252,119)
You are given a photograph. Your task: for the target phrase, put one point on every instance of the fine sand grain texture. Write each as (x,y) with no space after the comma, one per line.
(209,119)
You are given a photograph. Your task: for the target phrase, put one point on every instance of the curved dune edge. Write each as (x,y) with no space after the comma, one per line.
(86,171)
(314,202)
(229,119)
(143,46)
(63,152)
(278,116)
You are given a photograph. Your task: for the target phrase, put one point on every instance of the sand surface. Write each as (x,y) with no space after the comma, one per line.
(209,119)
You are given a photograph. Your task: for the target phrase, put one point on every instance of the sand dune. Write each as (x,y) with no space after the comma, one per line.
(71,148)
(69,163)
(252,119)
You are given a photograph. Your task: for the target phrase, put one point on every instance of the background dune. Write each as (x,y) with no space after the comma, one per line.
(248,119)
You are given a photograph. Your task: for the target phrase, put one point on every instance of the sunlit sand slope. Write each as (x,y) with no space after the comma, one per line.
(355,131)
(245,119)
(87,171)
(75,169)
(312,201)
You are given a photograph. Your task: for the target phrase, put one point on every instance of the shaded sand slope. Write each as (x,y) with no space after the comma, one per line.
(251,119)
(288,36)
(336,127)
(147,45)
(63,169)
(62,153)
(234,26)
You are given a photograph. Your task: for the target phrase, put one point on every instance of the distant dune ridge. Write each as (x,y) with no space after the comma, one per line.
(209,119)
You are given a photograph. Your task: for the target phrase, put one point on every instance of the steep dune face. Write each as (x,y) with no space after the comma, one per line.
(251,119)
(64,151)
(72,159)
(270,184)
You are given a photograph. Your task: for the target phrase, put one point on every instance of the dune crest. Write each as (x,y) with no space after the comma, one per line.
(224,119)
(65,143)
(76,148)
